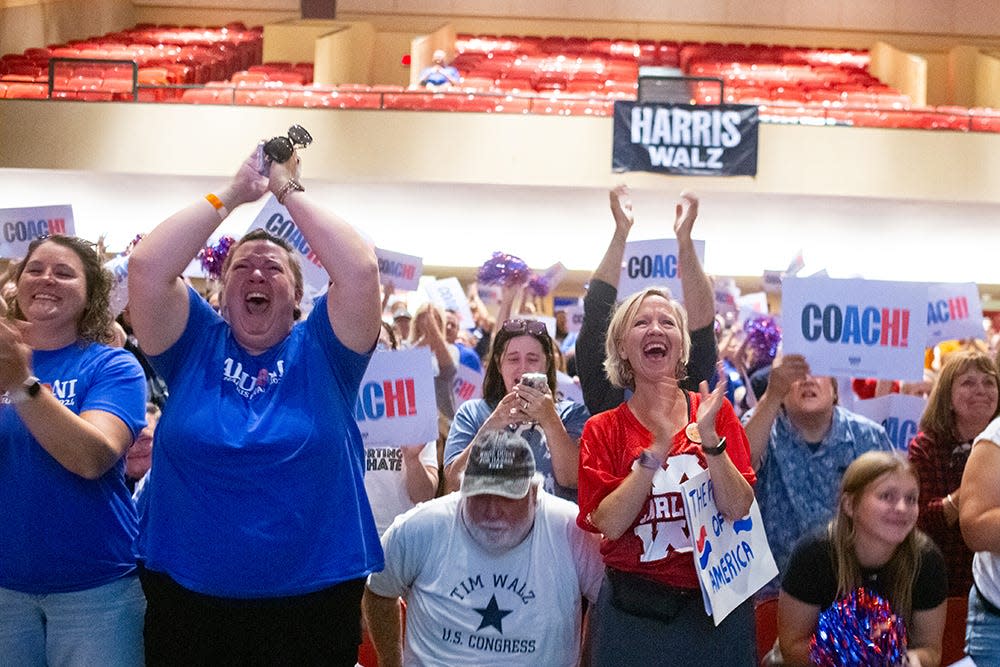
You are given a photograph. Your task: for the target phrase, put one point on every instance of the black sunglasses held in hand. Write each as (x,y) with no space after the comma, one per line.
(279,149)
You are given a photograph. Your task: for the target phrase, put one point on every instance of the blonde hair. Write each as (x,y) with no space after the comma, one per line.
(901,570)
(616,366)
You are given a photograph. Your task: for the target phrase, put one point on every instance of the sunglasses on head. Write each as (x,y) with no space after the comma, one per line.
(533,327)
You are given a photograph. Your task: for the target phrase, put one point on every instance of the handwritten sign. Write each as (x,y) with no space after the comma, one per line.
(20,226)
(954,311)
(396,404)
(858,328)
(402,271)
(899,414)
(732,558)
(653,263)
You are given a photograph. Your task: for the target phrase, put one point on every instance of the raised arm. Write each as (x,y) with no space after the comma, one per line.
(699,297)
(785,371)
(610,268)
(598,393)
(159,307)
(353,305)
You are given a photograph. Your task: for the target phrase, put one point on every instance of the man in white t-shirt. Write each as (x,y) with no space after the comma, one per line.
(491,574)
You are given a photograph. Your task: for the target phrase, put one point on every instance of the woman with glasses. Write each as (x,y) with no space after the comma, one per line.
(526,405)
(963,402)
(70,407)
(633,460)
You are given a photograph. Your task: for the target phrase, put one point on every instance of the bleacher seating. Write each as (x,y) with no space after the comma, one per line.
(554,75)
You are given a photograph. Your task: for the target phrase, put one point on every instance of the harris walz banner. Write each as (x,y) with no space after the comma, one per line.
(684,139)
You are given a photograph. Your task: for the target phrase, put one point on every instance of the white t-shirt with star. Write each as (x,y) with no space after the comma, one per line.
(466,606)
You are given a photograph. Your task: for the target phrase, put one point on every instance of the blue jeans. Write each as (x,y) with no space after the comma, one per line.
(97,626)
(982,633)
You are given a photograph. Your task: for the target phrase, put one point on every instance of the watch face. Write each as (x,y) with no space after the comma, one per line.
(33,387)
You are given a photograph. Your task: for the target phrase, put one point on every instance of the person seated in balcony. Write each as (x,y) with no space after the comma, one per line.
(439,73)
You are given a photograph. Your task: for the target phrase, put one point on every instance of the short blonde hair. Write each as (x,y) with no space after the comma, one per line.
(616,366)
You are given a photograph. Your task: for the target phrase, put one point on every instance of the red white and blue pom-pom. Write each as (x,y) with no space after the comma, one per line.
(212,257)
(504,269)
(763,337)
(860,630)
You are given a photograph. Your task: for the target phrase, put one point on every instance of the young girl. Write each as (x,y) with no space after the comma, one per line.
(872,542)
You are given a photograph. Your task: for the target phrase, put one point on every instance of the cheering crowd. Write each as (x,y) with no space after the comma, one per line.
(535,530)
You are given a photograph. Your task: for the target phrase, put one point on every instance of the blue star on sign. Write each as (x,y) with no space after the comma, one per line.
(493,615)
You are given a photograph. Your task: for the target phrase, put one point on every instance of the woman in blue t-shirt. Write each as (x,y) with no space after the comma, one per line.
(257,536)
(70,408)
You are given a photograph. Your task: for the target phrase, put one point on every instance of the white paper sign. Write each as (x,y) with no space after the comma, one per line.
(396,403)
(20,226)
(118,267)
(732,558)
(447,294)
(468,383)
(752,305)
(277,221)
(899,414)
(857,328)
(954,311)
(568,389)
(653,263)
(402,271)
(574,318)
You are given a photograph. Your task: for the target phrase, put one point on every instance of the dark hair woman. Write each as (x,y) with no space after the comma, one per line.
(550,426)
(70,409)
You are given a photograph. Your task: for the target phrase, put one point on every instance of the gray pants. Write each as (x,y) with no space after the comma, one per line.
(691,639)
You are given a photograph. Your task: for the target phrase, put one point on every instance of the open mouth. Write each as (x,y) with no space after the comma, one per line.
(257,302)
(654,350)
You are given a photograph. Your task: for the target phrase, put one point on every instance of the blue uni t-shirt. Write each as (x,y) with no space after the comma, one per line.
(257,482)
(60,532)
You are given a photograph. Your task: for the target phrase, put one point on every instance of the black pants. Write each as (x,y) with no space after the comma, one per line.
(187,628)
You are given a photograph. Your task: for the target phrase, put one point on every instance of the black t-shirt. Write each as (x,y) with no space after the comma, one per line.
(598,392)
(810,575)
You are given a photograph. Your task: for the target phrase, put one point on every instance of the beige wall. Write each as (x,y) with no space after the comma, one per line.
(29,23)
(906,72)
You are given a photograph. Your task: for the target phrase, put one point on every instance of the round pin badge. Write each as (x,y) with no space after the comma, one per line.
(691,431)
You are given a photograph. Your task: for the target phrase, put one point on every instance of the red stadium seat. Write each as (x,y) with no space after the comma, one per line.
(18,90)
(766,614)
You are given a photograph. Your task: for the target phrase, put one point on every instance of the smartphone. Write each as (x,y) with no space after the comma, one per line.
(538,381)
(263,163)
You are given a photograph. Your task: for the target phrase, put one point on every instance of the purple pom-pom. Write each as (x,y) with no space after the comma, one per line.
(132,244)
(763,336)
(538,285)
(860,630)
(212,257)
(504,269)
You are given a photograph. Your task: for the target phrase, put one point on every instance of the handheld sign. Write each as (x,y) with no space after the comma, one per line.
(954,311)
(396,404)
(118,267)
(653,263)
(732,558)
(574,318)
(899,415)
(447,294)
(20,226)
(857,328)
(277,221)
(468,384)
(403,271)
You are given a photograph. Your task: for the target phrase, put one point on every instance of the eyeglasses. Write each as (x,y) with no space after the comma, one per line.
(533,327)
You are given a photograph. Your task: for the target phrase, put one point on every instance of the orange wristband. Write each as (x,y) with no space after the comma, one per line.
(217,205)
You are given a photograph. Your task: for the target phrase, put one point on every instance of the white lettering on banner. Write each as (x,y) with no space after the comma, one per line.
(663,528)
(676,126)
(682,156)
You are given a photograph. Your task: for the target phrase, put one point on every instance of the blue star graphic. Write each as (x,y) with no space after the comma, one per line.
(493,615)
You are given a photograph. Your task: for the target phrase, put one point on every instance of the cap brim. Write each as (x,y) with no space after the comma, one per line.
(515,489)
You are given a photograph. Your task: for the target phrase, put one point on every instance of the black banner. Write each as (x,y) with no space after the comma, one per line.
(684,139)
